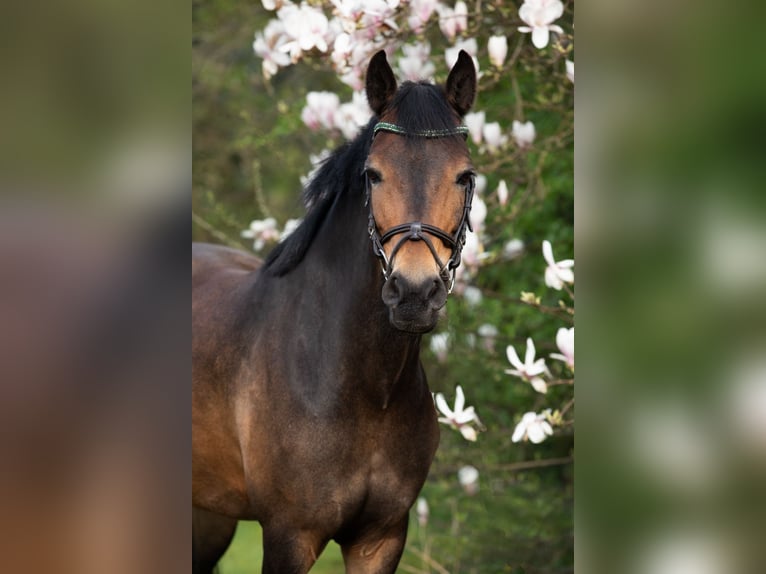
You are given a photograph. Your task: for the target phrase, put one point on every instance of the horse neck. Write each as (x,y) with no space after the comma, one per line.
(341,301)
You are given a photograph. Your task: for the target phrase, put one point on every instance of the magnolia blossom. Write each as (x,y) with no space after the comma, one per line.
(523,134)
(420,13)
(421,510)
(269,46)
(306,26)
(474,121)
(494,137)
(513,248)
(460,419)
(468,477)
(558,272)
(320,110)
(453,21)
(481,183)
(565,342)
(472,295)
(539,15)
(570,70)
(531,369)
(440,345)
(498,50)
(478,214)
(415,64)
(502,192)
(353,115)
(262,231)
(534,427)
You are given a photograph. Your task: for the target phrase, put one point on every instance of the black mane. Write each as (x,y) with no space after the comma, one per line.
(417,107)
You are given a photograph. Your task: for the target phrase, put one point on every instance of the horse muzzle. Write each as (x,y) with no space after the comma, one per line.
(414,306)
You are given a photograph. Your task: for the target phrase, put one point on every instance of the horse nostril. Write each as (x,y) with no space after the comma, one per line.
(434,289)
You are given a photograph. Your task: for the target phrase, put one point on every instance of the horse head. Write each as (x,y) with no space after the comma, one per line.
(419,182)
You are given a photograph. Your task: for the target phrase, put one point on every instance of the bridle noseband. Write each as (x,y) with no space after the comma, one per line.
(416,230)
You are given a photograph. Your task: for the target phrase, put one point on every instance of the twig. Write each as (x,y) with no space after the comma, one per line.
(531,464)
(431,562)
(218,234)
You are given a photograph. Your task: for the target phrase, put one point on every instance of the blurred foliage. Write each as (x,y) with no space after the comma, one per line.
(249,150)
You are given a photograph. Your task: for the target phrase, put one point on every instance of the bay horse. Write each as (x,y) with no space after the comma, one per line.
(310,408)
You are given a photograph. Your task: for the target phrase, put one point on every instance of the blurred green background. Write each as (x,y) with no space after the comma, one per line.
(250,149)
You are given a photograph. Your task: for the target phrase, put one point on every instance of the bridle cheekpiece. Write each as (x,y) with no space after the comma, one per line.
(416,230)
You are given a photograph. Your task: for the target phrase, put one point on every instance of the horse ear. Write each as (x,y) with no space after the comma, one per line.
(461,84)
(380,84)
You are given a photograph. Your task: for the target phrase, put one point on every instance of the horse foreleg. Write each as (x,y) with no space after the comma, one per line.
(379,554)
(287,551)
(211,536)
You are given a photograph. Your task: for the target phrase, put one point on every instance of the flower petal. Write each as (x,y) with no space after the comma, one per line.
(548,253)
(469,433)
(540,37)
(459,399)
(539,385)
(519,431)
(513,358)
(442,405)
(530,355)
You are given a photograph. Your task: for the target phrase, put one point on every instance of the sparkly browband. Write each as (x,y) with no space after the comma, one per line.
(393,128)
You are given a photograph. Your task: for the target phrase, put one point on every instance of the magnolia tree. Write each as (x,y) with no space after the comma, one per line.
(523,53)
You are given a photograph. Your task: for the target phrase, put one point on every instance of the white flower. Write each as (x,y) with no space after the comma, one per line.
(320,110)
(421,510)
(498,50)
(533,427)
(570,70)
(558,272)
(472,295)
(474,121)
(306,26)
(268,45)
(513,248)
(352,116)
(481,184)
(539,15)
(565,342)
(420,12)
(494,137)
(415,64)
(488,333)
(453,21)
(531,369)
(502,192)
(478,214)
(523,134)
(460,419)
(468,477)
(262,231)
(440,345)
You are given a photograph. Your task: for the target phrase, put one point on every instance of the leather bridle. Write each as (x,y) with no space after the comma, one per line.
(417,230)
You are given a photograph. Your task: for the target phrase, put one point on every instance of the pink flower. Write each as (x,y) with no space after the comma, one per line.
(320,110)
(539,15)
(502,192)
(523,134)
(565,342)
(494,137)
(415,64)
(268,45)
(558,272)
(474,121)
(498,50)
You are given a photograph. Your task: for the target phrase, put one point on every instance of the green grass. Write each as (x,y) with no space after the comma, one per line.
(245,554)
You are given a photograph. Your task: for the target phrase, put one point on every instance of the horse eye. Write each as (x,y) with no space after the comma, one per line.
(465,179)
(372,176)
